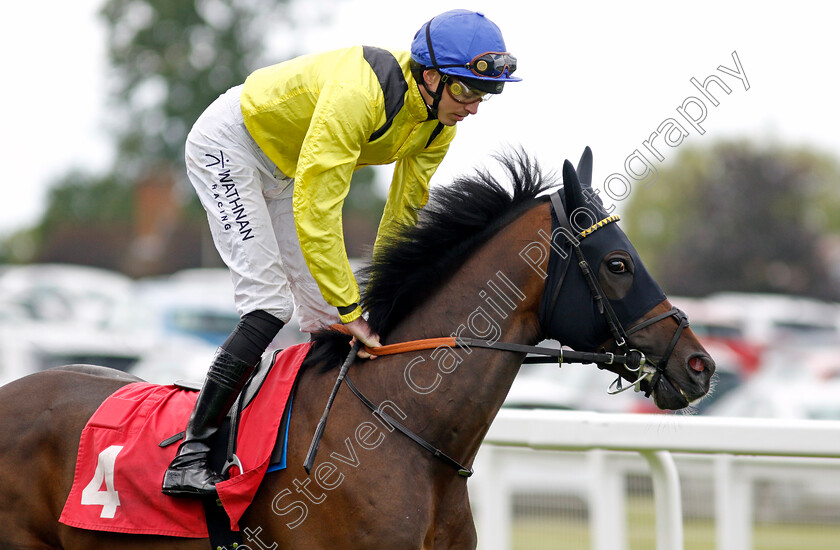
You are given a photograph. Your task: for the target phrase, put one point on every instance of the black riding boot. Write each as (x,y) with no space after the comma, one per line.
(190,474)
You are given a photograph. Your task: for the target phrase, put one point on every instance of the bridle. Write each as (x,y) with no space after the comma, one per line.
(639,363)
(633,360)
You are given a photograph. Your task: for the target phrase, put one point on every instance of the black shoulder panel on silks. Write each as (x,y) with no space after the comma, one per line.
(434,134)
(391,79)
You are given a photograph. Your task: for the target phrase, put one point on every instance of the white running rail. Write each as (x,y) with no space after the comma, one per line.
(655,437)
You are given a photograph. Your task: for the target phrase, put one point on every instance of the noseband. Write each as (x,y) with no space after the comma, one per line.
(633,359)
(656,371)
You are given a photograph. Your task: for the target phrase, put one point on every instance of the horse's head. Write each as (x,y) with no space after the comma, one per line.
(618,300)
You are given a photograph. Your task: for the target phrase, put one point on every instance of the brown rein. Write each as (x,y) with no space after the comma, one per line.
(403,347)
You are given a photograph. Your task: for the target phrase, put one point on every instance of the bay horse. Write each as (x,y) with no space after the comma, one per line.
(482,262)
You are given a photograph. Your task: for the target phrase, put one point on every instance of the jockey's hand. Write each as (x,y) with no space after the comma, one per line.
(360,330)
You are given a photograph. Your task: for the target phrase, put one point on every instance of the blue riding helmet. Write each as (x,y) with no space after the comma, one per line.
(467,45)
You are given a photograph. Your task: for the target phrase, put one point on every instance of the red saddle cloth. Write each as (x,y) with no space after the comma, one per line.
(120,465)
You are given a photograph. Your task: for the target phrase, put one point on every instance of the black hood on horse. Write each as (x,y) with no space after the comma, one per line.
(574,316)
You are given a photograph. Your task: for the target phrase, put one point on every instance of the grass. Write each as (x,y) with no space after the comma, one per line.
(567,533)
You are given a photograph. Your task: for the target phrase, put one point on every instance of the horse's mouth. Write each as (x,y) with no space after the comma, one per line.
(667,395)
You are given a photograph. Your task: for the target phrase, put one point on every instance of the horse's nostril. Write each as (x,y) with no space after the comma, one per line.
(697,364)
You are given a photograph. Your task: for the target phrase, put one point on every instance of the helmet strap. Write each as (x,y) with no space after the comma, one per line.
(437,94)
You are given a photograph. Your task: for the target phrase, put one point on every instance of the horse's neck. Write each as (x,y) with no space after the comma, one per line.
(495,296)
(495,285)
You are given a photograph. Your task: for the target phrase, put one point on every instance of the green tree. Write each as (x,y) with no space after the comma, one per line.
(76,200)
(740,217)
(169,61)
(78,229)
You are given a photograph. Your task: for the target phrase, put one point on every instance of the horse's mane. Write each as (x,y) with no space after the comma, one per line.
(415,260)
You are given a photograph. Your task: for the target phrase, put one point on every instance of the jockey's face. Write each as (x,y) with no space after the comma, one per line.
(450,110)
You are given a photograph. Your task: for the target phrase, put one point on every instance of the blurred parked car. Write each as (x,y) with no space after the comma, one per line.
(52,315)
(771,319)
(798,380)
(548,386)
(160,329)
(184,318)
(63,292)
(796,400)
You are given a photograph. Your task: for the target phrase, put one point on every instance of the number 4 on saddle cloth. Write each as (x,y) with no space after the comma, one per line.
(120,464)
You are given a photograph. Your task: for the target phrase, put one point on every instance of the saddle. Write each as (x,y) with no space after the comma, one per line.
(223,444)
(222,456)
(128,443)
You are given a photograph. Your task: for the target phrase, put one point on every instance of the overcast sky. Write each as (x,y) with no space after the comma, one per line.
(609,75)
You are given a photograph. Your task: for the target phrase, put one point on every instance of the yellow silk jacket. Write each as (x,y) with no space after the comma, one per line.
(320,117)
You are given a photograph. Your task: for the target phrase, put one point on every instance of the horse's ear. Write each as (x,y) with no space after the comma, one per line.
(571,188)
(584,195)
(584,168)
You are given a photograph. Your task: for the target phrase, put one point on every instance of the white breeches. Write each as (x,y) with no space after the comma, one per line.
(249,208)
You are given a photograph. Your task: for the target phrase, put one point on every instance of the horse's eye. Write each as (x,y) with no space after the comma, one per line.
(617,266)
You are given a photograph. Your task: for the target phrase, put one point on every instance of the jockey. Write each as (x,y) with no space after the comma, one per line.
(271,161)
